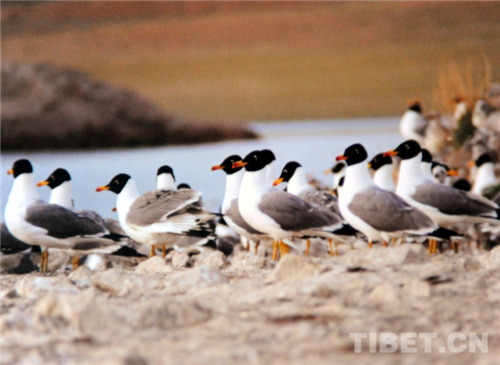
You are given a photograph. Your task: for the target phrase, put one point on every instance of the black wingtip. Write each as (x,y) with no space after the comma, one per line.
(346,230)
(445,234)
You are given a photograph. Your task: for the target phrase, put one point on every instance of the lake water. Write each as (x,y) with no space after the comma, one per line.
(314,144)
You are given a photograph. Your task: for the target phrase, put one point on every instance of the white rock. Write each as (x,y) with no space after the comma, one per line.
(293,267)
(179,259)
(31,284)
(243,260)
(154,265)
(418,288)
(385,293)
(210,258)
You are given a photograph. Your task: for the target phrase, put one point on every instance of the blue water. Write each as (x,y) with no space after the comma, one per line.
(314,144)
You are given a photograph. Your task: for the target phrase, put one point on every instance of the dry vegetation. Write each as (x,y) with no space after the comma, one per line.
(260,61)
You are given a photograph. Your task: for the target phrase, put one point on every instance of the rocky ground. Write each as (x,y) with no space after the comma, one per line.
(248,310)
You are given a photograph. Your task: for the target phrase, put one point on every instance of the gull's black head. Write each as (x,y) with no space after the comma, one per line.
(165,169)
(254,161)
(415,106)
(426,156)
(354,154)
(20,167)
(227,165)
(183,186)
(289,170)
(379,161)
(406,150)
(56,178)
(268,155)
(484,158)
(116,184)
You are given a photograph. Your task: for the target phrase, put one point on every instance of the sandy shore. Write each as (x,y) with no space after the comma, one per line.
(251,310)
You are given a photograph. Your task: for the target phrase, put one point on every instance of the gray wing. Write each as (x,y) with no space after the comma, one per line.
(295,214)
(324,199)
(61,222)
(449,200)
(387,212)
(155,206)
(234,213)
(10,244)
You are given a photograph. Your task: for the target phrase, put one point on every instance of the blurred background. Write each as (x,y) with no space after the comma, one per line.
(250,61)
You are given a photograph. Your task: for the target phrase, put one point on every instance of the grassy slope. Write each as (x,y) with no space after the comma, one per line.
(323,60)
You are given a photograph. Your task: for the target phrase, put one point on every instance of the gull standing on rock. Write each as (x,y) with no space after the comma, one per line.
(35,222)
(279,214)
(446,205)
(378,213)
(159,217)
(295,175)
(230,209)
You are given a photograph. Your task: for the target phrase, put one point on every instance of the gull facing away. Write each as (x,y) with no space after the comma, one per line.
(165,178)
(384,170)
(413,123)
(35,222)
(159,217)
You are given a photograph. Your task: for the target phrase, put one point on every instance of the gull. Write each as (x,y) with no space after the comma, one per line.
(295,175)
(383,176)
(379,214)
(165,178)
(444,204)
(35,222)
(413,123)
(159,217)
(338,171)
(230,209)
(59,181)
(279,214)
(485,175)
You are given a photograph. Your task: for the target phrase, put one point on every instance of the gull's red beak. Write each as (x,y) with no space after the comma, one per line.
(391,153)
(217,167)
(278,181)
(102,188)
(341,158)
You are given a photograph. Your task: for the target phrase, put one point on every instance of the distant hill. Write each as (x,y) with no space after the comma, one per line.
(235,61)
(46,107)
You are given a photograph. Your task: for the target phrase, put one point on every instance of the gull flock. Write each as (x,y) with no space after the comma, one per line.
(401,196)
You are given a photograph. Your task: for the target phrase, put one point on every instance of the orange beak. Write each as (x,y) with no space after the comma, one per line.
(239,164)
(102,188)
(114,209)
(10,172)
(369,165)
(326,172)
(278,181)
(391,153)
(341,158)
(42,183)
(217,167)
(452,172)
